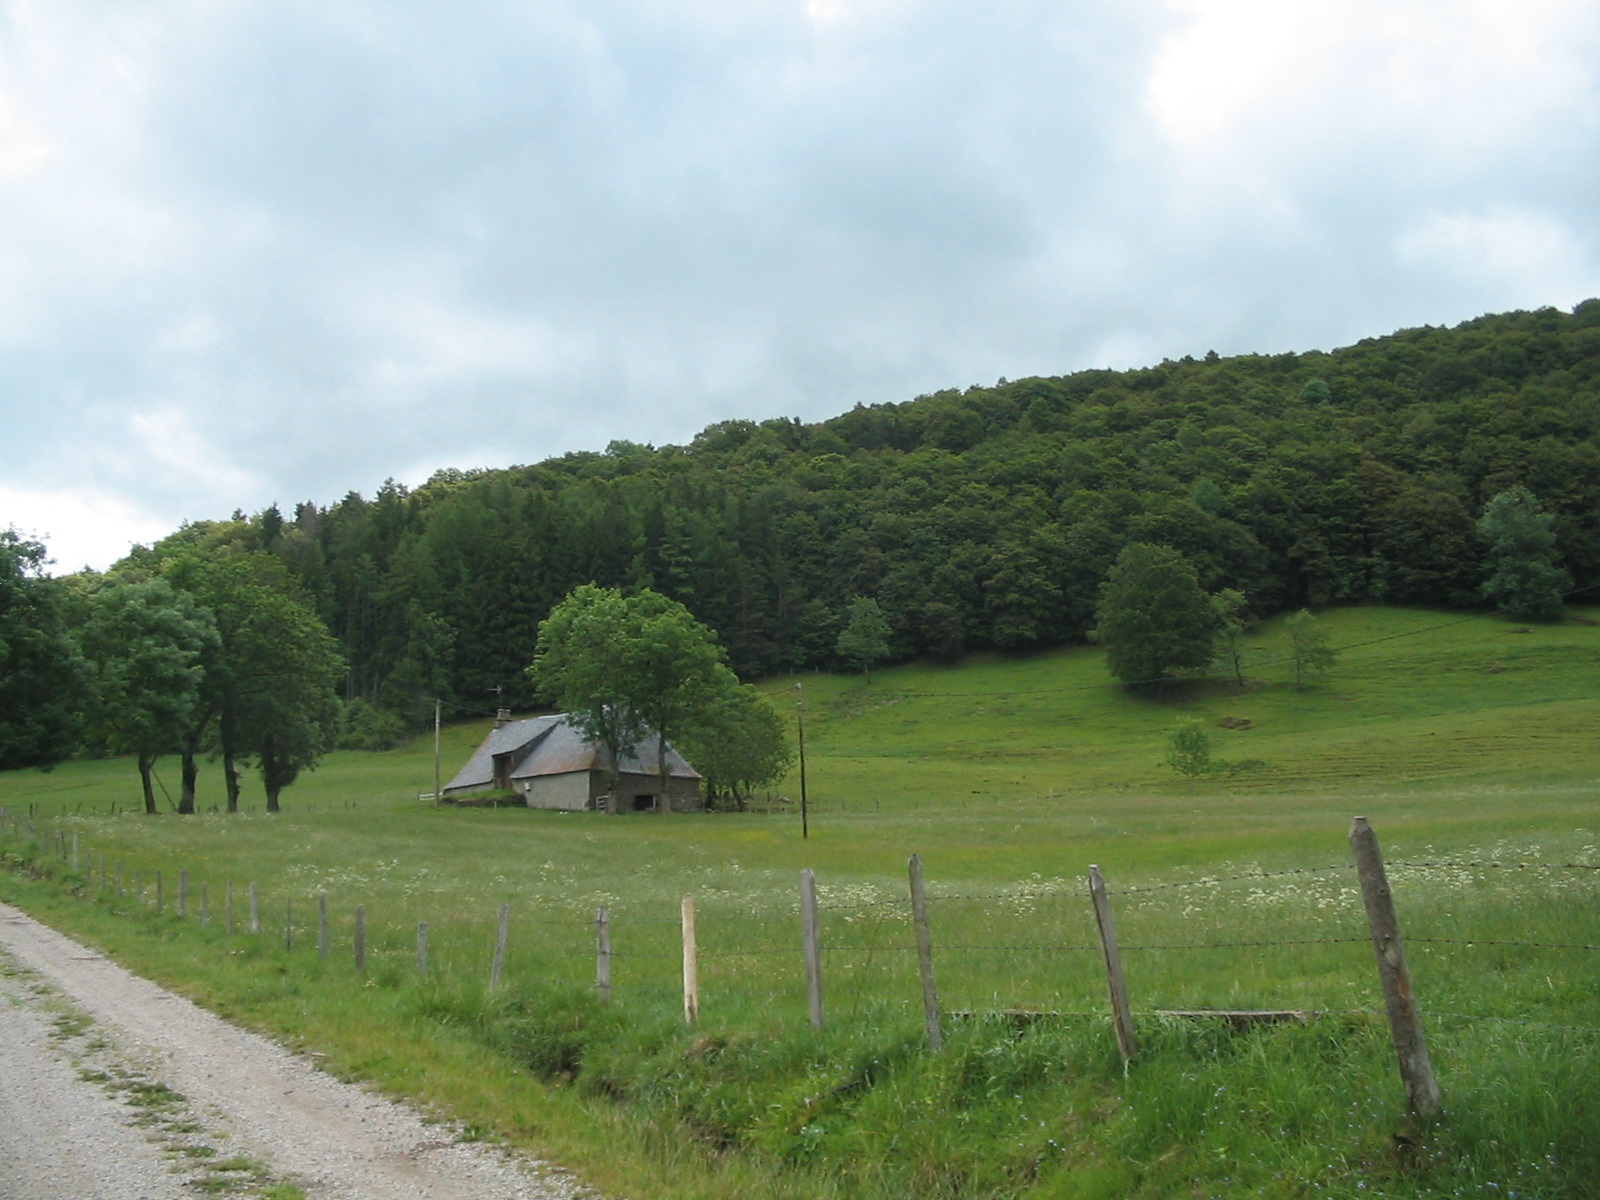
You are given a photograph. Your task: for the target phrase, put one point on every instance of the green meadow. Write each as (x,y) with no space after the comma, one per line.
(1470,744)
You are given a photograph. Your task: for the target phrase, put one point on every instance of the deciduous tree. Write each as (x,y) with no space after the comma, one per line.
(147,643)
(739,745)
(43,677)
(865,637)
(1154,621)
(1309,649)
(1525,578)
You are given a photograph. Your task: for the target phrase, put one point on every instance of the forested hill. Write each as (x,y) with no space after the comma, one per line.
(978,518)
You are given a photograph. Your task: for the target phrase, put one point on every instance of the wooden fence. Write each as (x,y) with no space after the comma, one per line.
(90,874)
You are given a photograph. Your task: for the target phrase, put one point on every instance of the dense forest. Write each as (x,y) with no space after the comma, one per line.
(978,519)
(983,518)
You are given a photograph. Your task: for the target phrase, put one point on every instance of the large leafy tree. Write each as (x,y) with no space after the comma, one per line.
(581,662)
(287,668)
(627,667)
(1154,619)
(739,744)
(865,637)
(1525,578)
(148,643)
(268,691)
(42,674)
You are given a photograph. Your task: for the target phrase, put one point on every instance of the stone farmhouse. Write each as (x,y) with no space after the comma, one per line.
(547,763)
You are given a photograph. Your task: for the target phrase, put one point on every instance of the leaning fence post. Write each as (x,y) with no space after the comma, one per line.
(602,954)
(691,963)
(499,962)
(811,930)
(919,917)
(1405,1024)
(255,910)
(322,926)
(361,939)
(1121,1011)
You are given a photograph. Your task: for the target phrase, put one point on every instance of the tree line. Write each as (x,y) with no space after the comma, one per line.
(988,518)
(980,519)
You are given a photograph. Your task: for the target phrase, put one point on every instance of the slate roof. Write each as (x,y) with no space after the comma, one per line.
(551,746)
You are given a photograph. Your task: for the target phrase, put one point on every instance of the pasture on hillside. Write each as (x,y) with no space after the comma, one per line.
(1469,743)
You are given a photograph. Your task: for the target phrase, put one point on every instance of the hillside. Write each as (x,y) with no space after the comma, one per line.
(979,519)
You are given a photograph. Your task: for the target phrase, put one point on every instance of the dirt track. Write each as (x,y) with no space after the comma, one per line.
(224,1095)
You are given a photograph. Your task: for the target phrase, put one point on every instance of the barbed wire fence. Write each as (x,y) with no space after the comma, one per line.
(856,945)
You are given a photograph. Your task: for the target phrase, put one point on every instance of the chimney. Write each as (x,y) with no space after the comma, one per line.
(502,718)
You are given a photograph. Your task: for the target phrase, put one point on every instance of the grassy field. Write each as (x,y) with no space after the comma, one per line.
(1466,742)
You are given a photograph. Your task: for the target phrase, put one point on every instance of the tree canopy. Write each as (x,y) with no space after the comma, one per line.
(630,667)
(1154,620)
(43,677)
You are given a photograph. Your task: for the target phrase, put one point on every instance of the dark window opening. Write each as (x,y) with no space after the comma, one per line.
(644,802)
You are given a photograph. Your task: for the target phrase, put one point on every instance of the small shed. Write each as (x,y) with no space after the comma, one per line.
(548,764)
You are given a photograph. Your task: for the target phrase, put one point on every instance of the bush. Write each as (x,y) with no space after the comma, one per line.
(364,726)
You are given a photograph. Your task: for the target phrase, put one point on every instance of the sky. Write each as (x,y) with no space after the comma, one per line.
(268,251)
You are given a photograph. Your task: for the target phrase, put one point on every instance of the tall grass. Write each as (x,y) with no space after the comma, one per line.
(1008,778)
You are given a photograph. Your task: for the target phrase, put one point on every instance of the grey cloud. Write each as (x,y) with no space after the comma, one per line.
(332,243)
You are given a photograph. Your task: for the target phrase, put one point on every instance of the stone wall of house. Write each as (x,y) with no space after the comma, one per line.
(638,792)
(568,793)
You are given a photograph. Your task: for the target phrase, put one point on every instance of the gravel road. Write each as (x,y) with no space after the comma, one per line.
(112,1088)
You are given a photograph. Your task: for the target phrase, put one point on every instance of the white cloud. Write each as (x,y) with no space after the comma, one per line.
(81,526)
(254,252)
(1525,256)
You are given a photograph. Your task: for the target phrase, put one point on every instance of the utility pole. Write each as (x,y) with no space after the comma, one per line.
(800,714)
(437,705)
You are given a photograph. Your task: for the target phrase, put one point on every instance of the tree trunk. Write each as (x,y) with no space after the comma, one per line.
(147,764)
(230,768)
(191,773)
(272,798)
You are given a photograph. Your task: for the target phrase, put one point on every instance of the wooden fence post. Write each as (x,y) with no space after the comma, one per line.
(322,926)
(228,907)
(288,924)
(1121,1011)
(602,954)
(74,852)
(1405,1024)
(691,963)
(919,917)
(361,939)
(499,962)
(255,909)
(422,947)
(205,905)
(160,896)
(811,930)
(183,893)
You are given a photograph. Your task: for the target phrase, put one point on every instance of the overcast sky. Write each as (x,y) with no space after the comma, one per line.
(268,251)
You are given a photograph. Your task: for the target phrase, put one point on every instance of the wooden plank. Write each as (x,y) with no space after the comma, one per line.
(602,954)
(811,933)
(1121,1011)
(930,990)
(1399,999)
(691,963)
